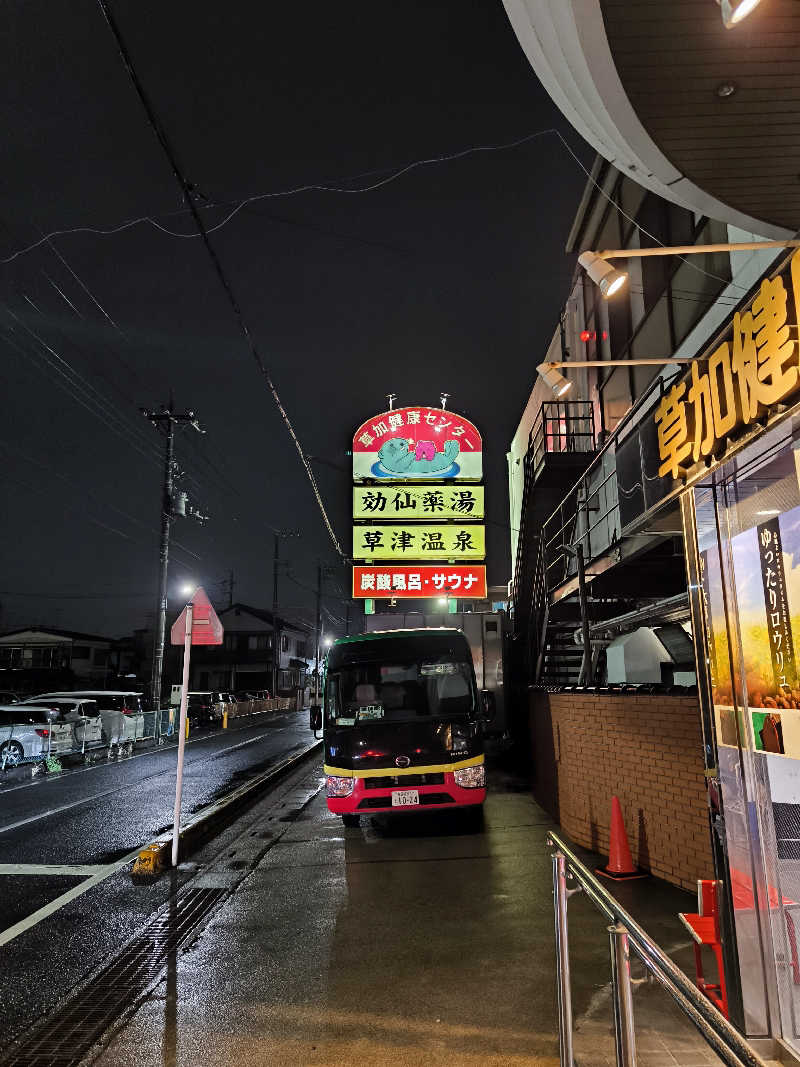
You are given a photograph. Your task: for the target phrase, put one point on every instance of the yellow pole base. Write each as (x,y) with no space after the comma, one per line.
(187,727)
(224,720)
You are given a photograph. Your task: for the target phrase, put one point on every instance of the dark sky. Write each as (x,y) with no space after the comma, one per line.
(450,278)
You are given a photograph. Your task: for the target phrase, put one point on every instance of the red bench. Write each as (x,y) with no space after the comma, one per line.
(704,928)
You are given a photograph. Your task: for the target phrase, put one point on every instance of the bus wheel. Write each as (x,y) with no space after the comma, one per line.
(351,820)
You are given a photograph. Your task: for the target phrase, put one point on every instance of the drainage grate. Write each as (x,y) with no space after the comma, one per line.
(65,1038)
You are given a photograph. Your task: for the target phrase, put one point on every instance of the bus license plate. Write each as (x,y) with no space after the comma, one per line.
(402,798)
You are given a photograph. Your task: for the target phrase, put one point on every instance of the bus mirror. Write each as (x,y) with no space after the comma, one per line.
(488,705)
(315,718)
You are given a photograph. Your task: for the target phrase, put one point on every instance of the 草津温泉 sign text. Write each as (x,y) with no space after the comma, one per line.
(408,502)
(415,444)
(746,375)
(419,582)
(407,541)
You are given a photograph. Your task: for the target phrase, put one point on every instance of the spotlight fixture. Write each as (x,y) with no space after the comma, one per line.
(733,11)
(554,378)
(607,278)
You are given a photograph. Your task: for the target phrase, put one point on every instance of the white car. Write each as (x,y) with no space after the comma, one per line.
(121,712)
(84,716)
(29,734)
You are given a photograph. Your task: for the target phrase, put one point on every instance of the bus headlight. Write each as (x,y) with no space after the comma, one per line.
(340,787)
(470,777)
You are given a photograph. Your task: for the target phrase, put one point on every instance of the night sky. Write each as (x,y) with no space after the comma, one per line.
(449,278)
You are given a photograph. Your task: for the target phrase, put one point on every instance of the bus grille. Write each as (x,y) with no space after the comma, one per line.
(403,781)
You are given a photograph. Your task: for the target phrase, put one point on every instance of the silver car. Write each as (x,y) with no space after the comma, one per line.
(83,715)
(121,712)
(27,734)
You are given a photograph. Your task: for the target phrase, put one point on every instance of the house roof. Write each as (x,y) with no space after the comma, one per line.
(73,635)
(265,616)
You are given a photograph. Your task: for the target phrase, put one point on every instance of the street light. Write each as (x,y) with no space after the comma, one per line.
(187,590)
(442,599)
(328,642)
(733,11)
(593,262)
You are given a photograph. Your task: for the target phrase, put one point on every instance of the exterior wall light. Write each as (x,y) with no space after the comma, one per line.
(608,278)
(559,384)
(733,11)
(553,377)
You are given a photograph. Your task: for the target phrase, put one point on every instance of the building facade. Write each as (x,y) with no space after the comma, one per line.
(259,652)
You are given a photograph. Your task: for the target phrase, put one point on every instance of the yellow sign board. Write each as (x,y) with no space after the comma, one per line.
(412,541)
(417,503)
(756,368)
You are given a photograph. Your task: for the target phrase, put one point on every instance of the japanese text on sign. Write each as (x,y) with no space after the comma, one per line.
(419,582)
(739,382)
(779,627)
(418,542)
(417,502)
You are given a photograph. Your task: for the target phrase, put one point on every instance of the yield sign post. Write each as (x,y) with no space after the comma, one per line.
(197,624)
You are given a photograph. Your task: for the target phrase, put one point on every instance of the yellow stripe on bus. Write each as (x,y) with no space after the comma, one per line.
(382,772)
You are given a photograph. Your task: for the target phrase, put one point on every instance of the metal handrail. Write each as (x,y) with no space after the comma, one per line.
(625,933)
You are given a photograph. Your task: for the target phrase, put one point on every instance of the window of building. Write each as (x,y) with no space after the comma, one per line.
(301,650)
(258,642)
(284,643)
(100,657)
(229,641)
(80,651)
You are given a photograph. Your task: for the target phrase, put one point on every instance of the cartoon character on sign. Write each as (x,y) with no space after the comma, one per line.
(395,457)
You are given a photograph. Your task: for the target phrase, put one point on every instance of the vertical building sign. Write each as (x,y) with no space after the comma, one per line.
(411,503)
(779,626)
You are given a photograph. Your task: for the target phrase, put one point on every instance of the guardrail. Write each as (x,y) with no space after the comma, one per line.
(126,731)
(625,935)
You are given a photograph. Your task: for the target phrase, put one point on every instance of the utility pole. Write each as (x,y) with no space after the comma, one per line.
(318,634)
(276,627)
(230,584)
(165,422)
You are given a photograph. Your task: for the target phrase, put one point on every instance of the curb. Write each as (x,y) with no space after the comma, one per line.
(156,857)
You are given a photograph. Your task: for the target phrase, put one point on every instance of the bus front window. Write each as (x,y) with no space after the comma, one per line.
(363,693)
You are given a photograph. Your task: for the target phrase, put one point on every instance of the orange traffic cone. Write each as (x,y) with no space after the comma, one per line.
(620,862)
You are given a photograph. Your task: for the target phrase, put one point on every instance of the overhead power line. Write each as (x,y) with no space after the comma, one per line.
(187,190)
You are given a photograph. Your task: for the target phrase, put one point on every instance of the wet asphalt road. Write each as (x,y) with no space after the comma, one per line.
(97,815)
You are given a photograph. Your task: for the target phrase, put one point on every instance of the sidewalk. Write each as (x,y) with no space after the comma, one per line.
(407,943)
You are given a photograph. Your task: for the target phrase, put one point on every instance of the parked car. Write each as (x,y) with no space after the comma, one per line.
(121,712)
(203,710)
(7,697)
(84,715)
(29,734)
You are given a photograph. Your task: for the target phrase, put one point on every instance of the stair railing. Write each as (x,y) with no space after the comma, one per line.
(625,935)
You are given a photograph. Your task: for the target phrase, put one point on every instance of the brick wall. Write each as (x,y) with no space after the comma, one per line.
(645,748)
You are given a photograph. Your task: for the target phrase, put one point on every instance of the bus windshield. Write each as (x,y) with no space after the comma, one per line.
(377,691)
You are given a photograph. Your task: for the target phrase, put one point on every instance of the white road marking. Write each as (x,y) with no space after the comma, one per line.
(72,894)
(39,782)
(128,786)
(77,870)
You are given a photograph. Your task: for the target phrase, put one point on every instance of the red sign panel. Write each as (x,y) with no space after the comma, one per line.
(206,627)
(410,582)
(416,444)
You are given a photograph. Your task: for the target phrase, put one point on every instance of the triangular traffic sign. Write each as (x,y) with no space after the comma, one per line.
(206,627)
